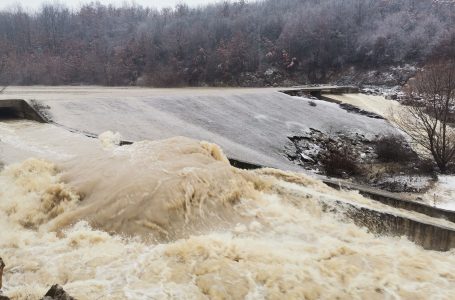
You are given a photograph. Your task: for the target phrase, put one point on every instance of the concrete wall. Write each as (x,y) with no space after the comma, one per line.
(391,200)
(318,91)
(18,108)
(429,236)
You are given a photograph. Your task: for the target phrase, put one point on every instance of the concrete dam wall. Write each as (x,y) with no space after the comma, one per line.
(251,125)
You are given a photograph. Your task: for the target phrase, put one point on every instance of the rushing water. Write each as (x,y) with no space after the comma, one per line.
(172,219)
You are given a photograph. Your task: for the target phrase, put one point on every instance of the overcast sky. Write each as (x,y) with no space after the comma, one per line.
(34,4)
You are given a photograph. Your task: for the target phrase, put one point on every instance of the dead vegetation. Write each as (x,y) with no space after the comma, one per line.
(393,148)
(338,159)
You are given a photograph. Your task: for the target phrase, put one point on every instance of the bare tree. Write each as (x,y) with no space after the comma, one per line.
(429,116)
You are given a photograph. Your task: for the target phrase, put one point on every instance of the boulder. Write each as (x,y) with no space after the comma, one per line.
(56,292)
(2,266)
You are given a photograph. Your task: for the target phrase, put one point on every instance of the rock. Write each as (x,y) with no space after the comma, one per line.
(354,109)
(2,266)
(56,292)
(305,157)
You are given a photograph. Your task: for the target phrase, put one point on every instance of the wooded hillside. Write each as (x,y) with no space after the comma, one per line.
(240,43)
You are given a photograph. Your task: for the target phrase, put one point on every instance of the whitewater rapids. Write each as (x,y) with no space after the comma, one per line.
(172,219)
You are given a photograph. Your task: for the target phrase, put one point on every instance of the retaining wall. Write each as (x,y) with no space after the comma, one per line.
(19,109)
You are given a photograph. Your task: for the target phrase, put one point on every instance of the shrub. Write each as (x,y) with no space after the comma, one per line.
(339,160)
(426,166)
(393,148)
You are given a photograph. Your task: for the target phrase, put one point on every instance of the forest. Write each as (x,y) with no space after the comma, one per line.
(242,43)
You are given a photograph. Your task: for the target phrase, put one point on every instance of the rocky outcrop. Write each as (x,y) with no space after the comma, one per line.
(354,109)
(308,148)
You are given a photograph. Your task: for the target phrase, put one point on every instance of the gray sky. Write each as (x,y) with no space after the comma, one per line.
(34,4)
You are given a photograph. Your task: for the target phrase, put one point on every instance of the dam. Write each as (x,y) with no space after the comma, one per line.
(164,216)
(264,118)
(146,214)
(269,114)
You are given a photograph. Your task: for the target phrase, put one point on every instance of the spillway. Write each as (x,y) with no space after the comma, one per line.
(251,125)
(166,219)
